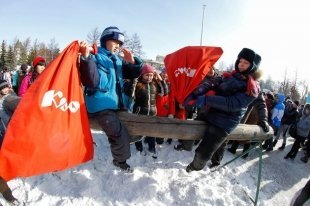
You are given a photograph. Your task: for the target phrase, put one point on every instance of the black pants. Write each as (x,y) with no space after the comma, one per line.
(218,154)
(213,139)
(294,150)
(303,196)
(149,140)
(117,134)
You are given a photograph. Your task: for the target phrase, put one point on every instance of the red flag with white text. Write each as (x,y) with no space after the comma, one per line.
(49,131)
(187,67)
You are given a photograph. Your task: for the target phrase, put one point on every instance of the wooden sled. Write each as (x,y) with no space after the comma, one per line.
(181,129)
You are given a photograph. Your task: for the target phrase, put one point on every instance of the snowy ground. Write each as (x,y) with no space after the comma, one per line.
(164,181)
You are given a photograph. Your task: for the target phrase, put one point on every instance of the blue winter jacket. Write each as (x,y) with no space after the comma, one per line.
(102,75)
(278,111)
(229,105)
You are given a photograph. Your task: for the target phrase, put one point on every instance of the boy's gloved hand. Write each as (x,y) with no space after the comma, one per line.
(190,100)
(264,125)
(201,101)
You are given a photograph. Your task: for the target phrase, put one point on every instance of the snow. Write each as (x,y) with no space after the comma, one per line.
(164,181)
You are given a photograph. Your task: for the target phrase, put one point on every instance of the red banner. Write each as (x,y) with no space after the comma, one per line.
(188,66)
(49,130)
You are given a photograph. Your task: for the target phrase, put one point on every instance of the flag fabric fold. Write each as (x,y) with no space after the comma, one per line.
(49,130)
(187,67)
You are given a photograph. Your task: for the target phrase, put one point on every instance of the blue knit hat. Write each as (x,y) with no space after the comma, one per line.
(251,57)
(110,33)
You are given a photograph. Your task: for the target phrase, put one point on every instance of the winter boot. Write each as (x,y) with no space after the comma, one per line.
(181,147)
(282,147)
(274,142)
(153,153)
(196,165)
(6,191)
(123,166)
(169,141)
(305,158)
(269,149)
(213,165)
(231,150)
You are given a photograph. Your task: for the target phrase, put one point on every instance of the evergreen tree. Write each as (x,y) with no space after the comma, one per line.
(3,57)
(10,59)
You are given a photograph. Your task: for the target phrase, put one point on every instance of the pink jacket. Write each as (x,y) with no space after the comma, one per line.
(24,85)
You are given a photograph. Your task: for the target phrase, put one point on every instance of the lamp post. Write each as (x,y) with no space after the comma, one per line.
(203,15)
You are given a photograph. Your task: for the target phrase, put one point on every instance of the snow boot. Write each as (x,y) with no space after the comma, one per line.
(6,191)
(213,165)
(153,152)
(196,165)
(274,142)
(231,150)
(169,141)
(282,147)
(123,166)
(181,147)
(305,158)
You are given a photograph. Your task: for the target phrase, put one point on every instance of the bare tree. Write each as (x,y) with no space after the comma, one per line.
(93,36)
(52,50)
(285,84)
(304,85)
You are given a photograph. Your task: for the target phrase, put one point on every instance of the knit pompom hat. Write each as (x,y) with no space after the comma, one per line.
(147,68)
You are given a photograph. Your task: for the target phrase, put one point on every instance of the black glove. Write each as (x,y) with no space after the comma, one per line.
(264,125)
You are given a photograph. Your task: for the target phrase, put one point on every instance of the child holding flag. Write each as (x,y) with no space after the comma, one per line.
(102,75)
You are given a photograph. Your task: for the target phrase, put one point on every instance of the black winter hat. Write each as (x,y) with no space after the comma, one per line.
(250,56)
(3,84)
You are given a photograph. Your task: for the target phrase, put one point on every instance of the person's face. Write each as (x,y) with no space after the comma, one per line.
(307,110)
(148,77)
(164,75)
(243,65)
(5,91)
(113,46)
(40,68)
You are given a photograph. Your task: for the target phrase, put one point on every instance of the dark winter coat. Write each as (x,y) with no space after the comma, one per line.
(229,104)
(256,112)
(290,115)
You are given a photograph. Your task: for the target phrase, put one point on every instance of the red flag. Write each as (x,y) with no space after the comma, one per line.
(188,66)
(49,130)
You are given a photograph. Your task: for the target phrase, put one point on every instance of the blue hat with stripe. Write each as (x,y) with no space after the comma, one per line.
(111,33)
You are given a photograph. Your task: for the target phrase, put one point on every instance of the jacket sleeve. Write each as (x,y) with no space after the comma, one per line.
(89,72)
(260,104)
(162,88)
(131,71)
(231,103)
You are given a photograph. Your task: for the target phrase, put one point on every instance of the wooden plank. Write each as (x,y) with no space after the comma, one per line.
(181,129)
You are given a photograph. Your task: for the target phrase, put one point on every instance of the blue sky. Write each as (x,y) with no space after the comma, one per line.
(276,29)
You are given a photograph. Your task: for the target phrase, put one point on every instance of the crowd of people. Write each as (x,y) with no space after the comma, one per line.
(114,79)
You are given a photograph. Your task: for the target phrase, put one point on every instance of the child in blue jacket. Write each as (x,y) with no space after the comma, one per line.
(102,75)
